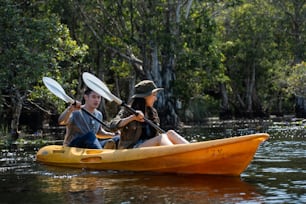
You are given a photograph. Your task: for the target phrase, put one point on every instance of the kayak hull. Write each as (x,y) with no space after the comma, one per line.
(229,156)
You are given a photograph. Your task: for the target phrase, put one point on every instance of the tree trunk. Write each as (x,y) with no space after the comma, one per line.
(297,18)
(300,107)
(16,101)
(225,112)
(170,116)
(257,107)
(250,89)
(162,76)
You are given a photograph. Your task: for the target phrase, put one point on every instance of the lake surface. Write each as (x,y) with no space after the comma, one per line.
(277,174)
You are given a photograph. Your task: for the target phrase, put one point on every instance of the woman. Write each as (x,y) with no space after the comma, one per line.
(81,129)
(135,132)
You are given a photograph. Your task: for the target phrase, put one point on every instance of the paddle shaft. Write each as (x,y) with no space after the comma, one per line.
(94,117)
(147,120)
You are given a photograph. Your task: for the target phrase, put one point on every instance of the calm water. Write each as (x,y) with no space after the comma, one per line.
(276,175)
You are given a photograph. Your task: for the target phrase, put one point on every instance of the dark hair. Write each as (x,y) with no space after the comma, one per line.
(87,91)
(140,104)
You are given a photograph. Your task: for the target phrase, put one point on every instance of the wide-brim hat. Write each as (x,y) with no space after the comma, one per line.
(145,88)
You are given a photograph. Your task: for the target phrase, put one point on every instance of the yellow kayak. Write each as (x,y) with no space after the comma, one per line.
(229,156)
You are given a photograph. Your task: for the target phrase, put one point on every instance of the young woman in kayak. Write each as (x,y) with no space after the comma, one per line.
(135,132)
(81,129)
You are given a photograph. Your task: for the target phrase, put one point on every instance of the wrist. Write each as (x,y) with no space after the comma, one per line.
(70,109)
(133,117)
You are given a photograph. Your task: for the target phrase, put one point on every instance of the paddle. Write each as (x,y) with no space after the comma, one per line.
(99,87)
(57,90)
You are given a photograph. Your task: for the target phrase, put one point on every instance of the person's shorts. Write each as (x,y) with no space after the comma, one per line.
(115,140)
(88,140)
(139,143)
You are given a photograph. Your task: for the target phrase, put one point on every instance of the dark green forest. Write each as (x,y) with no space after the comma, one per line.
(228,59)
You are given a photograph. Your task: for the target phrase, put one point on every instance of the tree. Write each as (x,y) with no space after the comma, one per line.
(199,69)
(33,42)
(289,38)
(297,87)
(135,40)
(297,80)
(292,22)
(248,42)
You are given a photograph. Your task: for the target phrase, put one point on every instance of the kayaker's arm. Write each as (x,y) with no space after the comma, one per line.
(105,134)
(64,117)
(123,118)
(124,121)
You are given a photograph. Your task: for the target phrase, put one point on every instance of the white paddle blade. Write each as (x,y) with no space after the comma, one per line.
(56,89)
(99,87)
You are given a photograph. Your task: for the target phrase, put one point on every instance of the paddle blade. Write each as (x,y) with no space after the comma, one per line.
(99,87)
(54,87)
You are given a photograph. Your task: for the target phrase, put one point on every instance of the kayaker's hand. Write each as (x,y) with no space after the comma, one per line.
(139,117)
(75,106)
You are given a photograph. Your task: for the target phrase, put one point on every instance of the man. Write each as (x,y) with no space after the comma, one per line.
(81,128)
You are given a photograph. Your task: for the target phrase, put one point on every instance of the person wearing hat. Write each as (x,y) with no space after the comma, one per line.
(135,132)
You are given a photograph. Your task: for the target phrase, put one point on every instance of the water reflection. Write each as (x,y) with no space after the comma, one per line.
(36,183)
(123,187)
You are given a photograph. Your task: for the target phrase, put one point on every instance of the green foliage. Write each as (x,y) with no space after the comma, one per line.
(252,43)
(197,48)
(199,60)
(121,69)
(34,43)
(3,131)
(297,80)
(201,107)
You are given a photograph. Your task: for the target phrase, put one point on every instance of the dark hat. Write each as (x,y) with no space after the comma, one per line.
(145,88)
